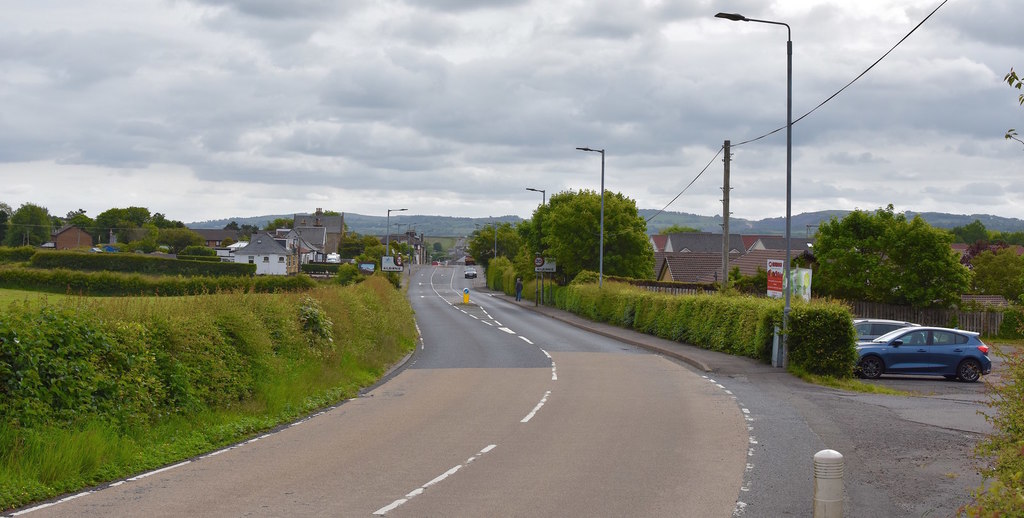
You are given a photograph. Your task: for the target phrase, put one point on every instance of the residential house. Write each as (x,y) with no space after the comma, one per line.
(692,267)
(215,237)
(70,236)
(703,242)
(658,242)
(334,227)
(269,256)
(308,243)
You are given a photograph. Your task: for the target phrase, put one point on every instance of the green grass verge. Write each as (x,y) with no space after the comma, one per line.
(279,356)
(849,384)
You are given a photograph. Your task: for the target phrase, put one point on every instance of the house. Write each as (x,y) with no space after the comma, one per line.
(334,228)
(749,262)
(70,236)
(215,237)
(269,256)
(308,242)
(703,242)
(658,242)
(692,267)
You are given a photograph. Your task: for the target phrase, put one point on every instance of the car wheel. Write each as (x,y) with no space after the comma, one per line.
(969,371)
(871,367)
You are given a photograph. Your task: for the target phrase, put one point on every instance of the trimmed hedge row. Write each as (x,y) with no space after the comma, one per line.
(17,254)
(320,268)
(111,283)
(821,334)
(137,263)
(200,258)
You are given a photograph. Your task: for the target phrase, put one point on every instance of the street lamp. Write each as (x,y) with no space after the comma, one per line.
(540,231)
(600,267)
(789,164)
(387,240)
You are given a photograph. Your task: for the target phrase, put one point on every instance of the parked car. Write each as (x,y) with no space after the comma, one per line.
(871,328)
(471,273)
(952,353)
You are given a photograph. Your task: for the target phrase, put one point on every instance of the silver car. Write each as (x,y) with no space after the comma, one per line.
(871,328)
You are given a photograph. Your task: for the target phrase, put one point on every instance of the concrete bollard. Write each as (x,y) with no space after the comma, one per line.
(828,484)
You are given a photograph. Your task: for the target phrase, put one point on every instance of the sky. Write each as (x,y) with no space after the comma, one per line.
(211,109)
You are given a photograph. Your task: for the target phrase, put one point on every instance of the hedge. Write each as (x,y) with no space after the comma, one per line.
(136,263)
(821,334)
(111,283)
(17,254)
(200,258)
(321,268)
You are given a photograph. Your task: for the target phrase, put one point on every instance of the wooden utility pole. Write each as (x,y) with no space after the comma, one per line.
(725,219)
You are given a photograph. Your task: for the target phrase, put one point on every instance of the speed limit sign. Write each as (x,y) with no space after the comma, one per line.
(538,261)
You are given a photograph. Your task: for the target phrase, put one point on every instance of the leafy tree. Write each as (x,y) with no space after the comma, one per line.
(120,222)
(352,245)
(248,230)
(200,250)
(231,226)
(882,257)
(676,229)
(482,242)
(178,238)
(970,233)
(280,223)
(162,222)
(438,247)
(29,225)
(1014,81)
(571,234)
(79,219)
(999,273)
(5,216)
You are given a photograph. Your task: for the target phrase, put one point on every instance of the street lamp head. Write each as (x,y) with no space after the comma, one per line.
(736,17)
(593,150)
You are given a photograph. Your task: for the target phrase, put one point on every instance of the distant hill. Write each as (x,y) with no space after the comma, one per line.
(801,224)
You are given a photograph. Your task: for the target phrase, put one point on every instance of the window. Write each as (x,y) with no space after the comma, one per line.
(916,338)
(266,258)
(252,259)
(280,259)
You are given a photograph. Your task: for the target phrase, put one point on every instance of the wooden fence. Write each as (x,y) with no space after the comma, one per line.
(984,322)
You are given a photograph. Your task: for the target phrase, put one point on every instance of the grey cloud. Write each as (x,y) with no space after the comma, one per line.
(465,5)
(845,158)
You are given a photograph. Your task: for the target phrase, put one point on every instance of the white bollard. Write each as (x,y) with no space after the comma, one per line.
(828,484)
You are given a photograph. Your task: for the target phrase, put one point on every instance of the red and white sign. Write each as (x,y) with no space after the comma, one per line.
(775,276)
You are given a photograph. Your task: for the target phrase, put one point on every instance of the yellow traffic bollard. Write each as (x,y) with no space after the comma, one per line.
(465,295)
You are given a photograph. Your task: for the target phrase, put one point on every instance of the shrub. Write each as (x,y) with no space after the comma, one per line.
(110,283)
(17,254)
(136,263)
(348,274)
(197,250)
(821,338)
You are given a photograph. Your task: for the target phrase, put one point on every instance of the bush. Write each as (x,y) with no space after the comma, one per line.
(197,250)
(18,254)
(821,334)
(348,274)
(110,283)
(137,263)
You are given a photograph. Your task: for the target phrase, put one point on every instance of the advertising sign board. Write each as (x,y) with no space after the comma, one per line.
(775,267)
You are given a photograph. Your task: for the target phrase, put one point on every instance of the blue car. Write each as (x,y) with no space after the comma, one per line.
(952,353)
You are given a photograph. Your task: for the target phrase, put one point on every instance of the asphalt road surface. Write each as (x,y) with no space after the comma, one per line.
(500,412)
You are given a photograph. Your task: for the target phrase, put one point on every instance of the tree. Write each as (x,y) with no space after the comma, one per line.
(676,229)
(79,219)
(231,226)
(1014,81)
(120,222)
(571,223)
(482,242)
(29,225)
(882,257)
(5,216)
(178,238)
(280,223)
(999,273)
(970,233)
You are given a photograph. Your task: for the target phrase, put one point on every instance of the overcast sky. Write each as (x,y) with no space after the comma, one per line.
(208,109)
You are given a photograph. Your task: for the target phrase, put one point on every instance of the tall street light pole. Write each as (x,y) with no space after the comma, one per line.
(540,232)
(387,240)
(789,166)
(600,267)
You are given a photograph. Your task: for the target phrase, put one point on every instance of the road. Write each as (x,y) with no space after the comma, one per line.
(500,412)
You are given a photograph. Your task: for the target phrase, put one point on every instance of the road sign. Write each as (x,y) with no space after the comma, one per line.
(389,264)
(546,265)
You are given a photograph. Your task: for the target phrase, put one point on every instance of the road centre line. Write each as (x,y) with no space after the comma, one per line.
(536,408)
(525,339)
(438,479)
(507,330)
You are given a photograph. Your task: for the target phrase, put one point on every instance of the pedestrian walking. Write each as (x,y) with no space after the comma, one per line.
(519,289)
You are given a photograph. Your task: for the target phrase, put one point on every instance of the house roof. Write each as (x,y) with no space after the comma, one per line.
(703,242)
(692,266)
(66,228)
(779,243)
(986,300)
(754,259)
(262,244)
(316,236)
(659,241)
(333,224)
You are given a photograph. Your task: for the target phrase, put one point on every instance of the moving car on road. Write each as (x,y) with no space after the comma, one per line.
(871,328)
(471,273)
(952,353)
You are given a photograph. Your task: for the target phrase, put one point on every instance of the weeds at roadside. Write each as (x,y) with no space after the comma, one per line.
(848,384)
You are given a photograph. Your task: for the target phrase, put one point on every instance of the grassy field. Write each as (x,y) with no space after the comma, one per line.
(7,296)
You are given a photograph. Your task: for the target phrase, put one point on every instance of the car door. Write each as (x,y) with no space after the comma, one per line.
(947,351)
(912,355)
